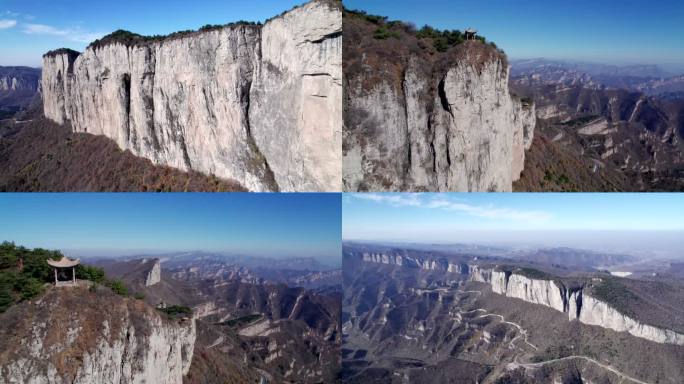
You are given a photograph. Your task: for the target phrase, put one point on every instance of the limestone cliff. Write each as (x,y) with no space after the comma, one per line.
(257,104)
(575,300)
(417,120)
(577,303)
(19,79)
(82,335)
(153,276)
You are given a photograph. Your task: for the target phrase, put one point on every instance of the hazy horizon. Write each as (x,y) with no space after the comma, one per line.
(651,244)
(94,254)
(628,223)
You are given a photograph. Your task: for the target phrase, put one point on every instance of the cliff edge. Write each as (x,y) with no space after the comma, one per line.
(419,117)
(89,335)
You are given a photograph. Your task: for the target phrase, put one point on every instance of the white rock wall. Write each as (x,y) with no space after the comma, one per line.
(142,348)
(474,138)
(543,292)
(596,312)
(153,276)
(260,105)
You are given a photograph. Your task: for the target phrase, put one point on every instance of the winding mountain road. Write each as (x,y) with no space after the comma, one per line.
(515,365)
(216,342)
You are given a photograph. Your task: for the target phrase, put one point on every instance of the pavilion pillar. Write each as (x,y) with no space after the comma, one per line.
(73,275)
(55,269)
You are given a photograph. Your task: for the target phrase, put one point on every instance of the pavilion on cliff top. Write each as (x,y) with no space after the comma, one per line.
(61,268)
(470,34)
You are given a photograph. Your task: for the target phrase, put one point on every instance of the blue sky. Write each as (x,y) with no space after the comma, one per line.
(29,28)
(261,224)
(544,218)
(610,31)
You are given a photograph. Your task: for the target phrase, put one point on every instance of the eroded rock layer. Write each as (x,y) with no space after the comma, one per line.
(257,104)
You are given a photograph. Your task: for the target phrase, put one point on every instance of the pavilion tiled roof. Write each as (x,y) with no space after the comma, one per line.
(65,262)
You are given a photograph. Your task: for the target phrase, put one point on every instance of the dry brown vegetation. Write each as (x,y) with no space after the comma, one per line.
(98,308)
(551,168)
(370,60)
(43,156)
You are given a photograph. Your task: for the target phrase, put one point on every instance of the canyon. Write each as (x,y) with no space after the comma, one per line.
(258,104)
(422,313)
(553,293)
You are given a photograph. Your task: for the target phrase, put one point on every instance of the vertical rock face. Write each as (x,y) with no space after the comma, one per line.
(153,276)
(76,336)
(536,291)
(597,312)
(258,104)
(451,127)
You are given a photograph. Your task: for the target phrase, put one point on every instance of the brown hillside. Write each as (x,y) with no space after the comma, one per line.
(42,156)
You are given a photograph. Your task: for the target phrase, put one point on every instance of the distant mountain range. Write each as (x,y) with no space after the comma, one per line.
(602,127)
(304,272)
(652,80)
(18,88)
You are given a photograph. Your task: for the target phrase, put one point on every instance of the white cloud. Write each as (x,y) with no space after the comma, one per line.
(440,202)
(6,23)
(73,34)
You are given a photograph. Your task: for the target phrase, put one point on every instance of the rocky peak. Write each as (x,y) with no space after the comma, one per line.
(153,275)
(91,335)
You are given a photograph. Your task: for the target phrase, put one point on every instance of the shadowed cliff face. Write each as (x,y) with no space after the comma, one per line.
(257,104)
(421,120)
(82,335)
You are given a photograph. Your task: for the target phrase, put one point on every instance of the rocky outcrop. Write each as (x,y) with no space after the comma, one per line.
(573,300)
(19,79)
(75,335)
(153,276)
(455,128)
(257,104)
